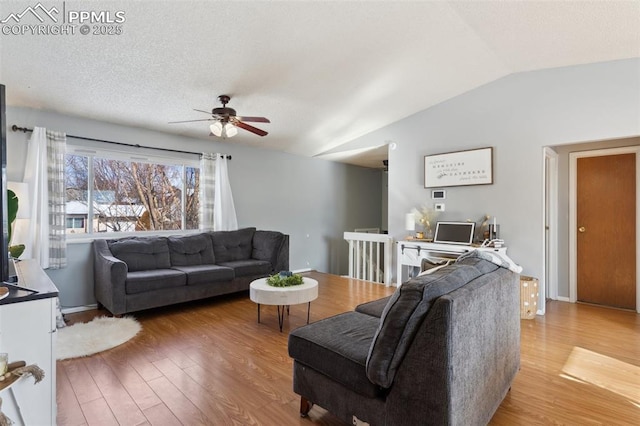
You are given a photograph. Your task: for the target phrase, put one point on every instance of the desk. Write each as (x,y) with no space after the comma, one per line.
(410,253)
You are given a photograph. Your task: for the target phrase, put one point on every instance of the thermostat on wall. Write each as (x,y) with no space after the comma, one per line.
(438,194)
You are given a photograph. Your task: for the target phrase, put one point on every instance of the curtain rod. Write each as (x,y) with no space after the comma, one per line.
(15,128)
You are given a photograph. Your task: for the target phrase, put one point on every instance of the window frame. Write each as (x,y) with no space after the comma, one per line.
(131,156)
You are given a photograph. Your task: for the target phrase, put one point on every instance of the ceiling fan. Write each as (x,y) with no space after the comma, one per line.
(226,122)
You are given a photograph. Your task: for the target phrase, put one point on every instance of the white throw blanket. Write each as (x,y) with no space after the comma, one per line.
(500,259)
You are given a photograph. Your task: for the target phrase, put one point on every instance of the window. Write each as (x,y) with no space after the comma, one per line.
(75,223)
(113,192)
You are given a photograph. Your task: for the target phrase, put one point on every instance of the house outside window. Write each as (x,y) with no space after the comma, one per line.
(110,192)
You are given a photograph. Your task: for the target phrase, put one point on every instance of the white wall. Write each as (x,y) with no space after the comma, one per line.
(517,115)
(385,201)
(312,200)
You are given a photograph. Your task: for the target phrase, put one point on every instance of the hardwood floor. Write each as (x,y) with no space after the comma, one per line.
(211,363)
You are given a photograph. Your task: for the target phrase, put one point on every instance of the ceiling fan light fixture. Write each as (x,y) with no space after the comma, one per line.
(230,130)
(223,130)
(226,122)
(216,128)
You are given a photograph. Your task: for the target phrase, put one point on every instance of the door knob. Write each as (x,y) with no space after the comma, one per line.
(582,229)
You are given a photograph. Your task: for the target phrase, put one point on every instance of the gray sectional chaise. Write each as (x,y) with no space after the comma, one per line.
(136,273)
(442,350)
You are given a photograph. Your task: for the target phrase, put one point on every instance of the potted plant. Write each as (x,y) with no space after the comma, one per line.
(12,212)
(425,216)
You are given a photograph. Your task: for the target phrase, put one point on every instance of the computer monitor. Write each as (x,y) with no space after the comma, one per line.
(454,232)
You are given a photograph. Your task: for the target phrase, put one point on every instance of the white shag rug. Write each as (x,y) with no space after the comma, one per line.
(95,336)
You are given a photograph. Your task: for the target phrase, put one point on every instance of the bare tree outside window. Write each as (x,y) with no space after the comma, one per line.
(76,177)
(77,186)
(192,206)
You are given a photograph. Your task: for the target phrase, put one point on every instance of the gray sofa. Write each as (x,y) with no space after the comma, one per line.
(136,273)
(442,350)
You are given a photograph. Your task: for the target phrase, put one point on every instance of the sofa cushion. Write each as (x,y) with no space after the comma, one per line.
(232,245)
(266,245)
(373,308)
(337,347)
(155,279)
(142,253)
(405,311)
(244,268)
(191,250)
(205,274)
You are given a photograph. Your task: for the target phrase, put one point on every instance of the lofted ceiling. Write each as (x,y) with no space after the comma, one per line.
(323,72)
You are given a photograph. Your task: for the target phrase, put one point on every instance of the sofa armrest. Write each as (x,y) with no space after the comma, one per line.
(272,246)
(282,258)
(109,275)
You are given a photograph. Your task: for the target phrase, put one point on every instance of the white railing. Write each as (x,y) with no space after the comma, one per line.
(366,252)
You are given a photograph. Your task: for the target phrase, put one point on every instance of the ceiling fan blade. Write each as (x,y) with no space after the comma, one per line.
(249,128)
(254,119)
(200,110)
(191,121)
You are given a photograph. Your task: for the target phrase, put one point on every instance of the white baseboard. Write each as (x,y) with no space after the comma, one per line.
(79,309)
(300,271)
(563,299)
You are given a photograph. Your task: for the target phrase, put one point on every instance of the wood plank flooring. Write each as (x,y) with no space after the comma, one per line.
(211,363)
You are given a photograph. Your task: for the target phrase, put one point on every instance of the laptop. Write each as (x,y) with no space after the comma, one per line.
(454,233)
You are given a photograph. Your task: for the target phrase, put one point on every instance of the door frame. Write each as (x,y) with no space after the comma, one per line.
(549,239)
(573,212)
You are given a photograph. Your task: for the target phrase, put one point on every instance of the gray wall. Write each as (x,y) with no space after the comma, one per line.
(312,200)
(518,115)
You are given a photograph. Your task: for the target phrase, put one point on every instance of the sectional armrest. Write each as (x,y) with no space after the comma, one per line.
(109,274)
(282,259)
(272,246)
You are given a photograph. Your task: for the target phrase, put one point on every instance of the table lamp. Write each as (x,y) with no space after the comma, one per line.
(410,223)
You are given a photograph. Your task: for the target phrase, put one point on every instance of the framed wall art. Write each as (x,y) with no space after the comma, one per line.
(471,167)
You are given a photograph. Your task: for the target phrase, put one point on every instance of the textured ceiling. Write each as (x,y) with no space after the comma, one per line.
(324,73)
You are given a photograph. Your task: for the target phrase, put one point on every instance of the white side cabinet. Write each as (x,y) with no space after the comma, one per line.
(28,333)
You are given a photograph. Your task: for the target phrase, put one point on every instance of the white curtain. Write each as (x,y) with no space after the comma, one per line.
(44,172)
(207,188)
(217,210)
(224,217)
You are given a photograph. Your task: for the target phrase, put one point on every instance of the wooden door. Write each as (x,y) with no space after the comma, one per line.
(606,234)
